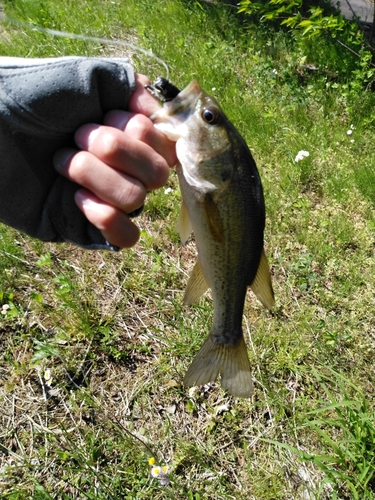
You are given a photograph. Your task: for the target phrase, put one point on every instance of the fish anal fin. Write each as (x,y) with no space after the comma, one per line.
(213,218)
(262,285)
(183,226)
(196,286)
(231,362)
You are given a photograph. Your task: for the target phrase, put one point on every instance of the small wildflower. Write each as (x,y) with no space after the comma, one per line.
(5,308)
(192,391)
(168,190)
(48,377)
(274,71)
(163,476)
(301,155)
(349,132)
(213,89)
(164,481)
(159,472)
(155,471)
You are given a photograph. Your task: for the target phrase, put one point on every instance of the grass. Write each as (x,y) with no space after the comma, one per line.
(111,328)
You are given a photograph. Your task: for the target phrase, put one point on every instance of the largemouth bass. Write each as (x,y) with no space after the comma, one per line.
(224,205)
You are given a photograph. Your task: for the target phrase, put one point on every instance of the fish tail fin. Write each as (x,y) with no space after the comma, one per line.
(231,362)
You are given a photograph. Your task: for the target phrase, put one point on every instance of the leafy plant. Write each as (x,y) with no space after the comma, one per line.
(345,427)
(292,14)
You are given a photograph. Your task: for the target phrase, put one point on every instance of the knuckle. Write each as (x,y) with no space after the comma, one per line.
(160,173)
(109,144)
(140,128)
(133,196)
(79,167)
(104,219)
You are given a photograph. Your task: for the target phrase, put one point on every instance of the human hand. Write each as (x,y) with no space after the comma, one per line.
(118,163)
(44,104)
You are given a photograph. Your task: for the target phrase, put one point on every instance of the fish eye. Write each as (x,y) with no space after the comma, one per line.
(210,116)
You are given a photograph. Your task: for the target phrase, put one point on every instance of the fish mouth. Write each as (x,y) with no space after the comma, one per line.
(189,93)
(186,99)
(175,112)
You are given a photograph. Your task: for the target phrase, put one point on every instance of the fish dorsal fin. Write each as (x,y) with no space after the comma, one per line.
(183,226)
(214,222)
(262,286)
(196,286)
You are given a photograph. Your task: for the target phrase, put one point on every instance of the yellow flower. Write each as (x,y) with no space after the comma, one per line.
(151,461)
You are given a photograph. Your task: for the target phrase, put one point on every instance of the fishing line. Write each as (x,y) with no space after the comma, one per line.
(65,34)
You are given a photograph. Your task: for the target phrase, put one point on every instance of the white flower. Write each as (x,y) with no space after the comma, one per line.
(155,471)
(301,155)
(160,472)
(164,480)
(192,391)
(48,377)
(274,71)
(5,308)
(213,89)
(349,132)
(168,190)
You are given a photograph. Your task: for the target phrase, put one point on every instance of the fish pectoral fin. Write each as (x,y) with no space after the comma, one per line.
(262,285)
(213,217)
(183,226)
(231,362)
(196,286)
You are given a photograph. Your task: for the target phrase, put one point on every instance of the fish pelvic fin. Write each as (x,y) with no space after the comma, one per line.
(183,226)
(196,286)
(262,285)
(231,362)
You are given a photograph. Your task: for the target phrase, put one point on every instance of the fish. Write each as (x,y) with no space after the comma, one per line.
(223,204)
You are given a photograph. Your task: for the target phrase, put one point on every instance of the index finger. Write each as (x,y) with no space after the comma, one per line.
(141,101)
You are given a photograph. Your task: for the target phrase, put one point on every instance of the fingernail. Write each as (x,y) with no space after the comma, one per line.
(85,202)
(62,158)
(118,119)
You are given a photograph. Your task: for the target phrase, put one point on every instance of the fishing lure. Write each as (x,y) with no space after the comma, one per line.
(163,90)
